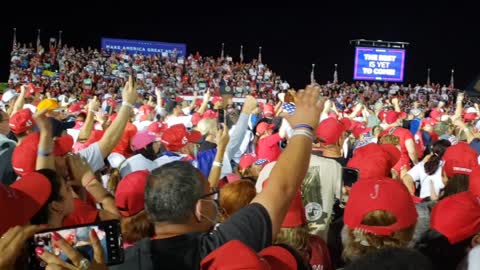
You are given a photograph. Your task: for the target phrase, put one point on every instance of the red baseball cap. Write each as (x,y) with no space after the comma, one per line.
(145,111)
(216,99)
(429,121)
(246,161)
(296,213)
(177,136)
(21,121)
(227,257)
(392,116)
(360,130)
(382,194)
(75,108)
(263,127)
(198,103)
(436,114)
(468,117)
(178,99)
(330,130)
(457,217)
(209,114)
(28,194)
(460,159)
(129,197)
(157,127)
(268,110)
(374,160)
(24,156)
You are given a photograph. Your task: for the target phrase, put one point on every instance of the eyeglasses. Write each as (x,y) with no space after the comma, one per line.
(216,197)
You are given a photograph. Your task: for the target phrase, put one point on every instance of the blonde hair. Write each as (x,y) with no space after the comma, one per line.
(359,242)
(296,237)
(389,139)
(207,126)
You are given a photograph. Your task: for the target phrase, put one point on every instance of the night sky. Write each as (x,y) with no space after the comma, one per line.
(293,39)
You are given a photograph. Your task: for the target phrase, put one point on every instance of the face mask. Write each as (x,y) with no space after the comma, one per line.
(217,211)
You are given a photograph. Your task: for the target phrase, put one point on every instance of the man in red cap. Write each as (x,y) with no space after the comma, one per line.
(21,124)
(182,144)
(331,135)
(393,120)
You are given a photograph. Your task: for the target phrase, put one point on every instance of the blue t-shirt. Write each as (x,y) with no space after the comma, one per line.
(415,125)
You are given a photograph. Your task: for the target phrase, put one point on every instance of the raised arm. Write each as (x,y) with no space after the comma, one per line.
(45,159)
(20,101)
(459,107)
(291,168)
(222,142)
(82,173)
(396,105)
(206,98)
(113,134)
(87,127)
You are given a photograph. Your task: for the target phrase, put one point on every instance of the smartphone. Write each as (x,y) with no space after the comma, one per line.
(221,117)
(108,232)
(350,176)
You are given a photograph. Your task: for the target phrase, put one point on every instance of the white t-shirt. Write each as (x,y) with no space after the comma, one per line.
(185,120)
(93,155)
(419,175)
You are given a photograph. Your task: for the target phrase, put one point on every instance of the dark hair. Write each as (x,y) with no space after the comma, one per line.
(456,184)
(438,149)
(172,191)
(393,259)
(169,106)
(41,217)
(443,255)
(147,152)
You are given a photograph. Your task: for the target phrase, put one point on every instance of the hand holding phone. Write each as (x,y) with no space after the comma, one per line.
(98,244)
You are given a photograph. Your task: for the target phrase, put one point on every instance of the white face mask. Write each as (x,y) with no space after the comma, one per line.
(217,211)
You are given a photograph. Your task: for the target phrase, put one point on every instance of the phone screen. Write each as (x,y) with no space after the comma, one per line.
(108,232)
(221,117)
(349,176)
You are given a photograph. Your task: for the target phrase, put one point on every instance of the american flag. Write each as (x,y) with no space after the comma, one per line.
(261,161)
(289,107)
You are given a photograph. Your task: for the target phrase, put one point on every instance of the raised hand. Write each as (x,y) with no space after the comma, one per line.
(309,106)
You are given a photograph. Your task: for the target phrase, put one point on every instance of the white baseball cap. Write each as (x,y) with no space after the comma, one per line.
(9,95)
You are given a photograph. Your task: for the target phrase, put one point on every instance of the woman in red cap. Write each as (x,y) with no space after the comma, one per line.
(379,214)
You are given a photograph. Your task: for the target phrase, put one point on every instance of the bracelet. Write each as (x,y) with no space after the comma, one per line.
(217,164)
(303,133)
(43,154)
(303,126)
(90,181)
(124,103)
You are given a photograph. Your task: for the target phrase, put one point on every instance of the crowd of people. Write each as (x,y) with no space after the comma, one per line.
(334,176)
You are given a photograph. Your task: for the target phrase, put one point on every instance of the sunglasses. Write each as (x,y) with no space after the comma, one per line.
(216,197)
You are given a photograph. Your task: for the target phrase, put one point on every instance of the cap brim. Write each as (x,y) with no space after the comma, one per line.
(279,258)
(194,136)
(34,190)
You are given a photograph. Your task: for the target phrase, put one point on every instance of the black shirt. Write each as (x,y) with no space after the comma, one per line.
(251,225)
(205,146)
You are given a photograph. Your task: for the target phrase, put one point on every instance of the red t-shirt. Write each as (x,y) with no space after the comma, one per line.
(123,146)
(319,256)
(268,148)
(83,213)
(403,135)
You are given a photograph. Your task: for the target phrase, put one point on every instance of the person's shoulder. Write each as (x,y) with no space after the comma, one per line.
(134,254)
(323,161)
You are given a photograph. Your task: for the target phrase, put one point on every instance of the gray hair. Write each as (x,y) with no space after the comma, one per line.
(172,192)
